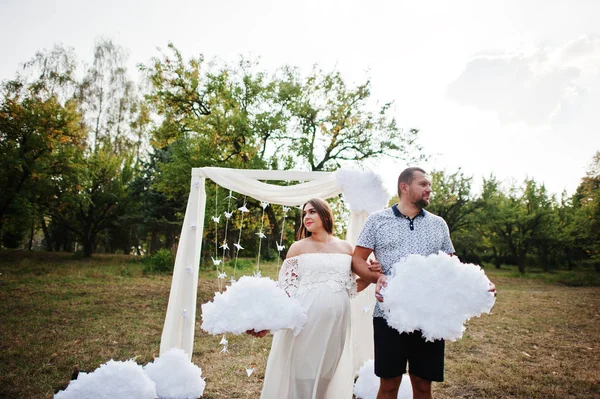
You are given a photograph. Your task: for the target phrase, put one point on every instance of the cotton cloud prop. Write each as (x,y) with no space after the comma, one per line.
(111,380)
(252,303)
(175,376)
(364,191)
(171,376)
(436,294)
(367,383)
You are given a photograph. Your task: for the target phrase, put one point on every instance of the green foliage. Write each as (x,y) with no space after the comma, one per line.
(100,166)
(162,261)
(243,263)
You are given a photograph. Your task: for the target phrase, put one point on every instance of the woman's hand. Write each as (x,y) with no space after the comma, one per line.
(258,334)
(375,266)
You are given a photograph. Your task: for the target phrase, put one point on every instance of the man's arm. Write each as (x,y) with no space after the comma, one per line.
(361,267)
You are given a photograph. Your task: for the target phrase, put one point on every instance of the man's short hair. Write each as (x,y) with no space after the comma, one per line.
(407,176)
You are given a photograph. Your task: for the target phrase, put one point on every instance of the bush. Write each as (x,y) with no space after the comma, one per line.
(243,264)
(270,254)
(162,261)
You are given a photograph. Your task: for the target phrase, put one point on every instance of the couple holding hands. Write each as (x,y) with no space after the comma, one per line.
(319,272)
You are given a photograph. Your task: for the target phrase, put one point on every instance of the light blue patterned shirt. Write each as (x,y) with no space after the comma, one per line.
(393,236)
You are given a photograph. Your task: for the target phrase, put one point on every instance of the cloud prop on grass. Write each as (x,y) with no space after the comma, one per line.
(114,379)
(252,303)
(436,294)
(175,376)
(367,383)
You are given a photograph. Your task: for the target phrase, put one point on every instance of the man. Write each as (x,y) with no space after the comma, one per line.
(392,234)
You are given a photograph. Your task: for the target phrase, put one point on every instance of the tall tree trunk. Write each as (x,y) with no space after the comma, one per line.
(153,242)
(497,258)
(521,263)
(88,246)
(30,244)
(544,259)
(88,241)
(47,238)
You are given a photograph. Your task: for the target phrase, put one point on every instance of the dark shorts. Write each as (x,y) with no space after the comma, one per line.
(393,350)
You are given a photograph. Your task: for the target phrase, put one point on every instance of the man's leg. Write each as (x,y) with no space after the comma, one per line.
(390,358)
(388,388)
(426,364)
(421,388)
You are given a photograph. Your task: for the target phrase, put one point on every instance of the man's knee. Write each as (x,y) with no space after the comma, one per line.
(420,385)
(390,385)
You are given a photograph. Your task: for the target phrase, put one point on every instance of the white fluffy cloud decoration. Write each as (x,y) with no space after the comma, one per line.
(252,303)
(367,383)
(364,191)
(112,380)
(436,294)
(175,376)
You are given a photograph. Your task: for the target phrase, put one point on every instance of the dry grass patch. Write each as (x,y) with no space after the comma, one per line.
(542,340)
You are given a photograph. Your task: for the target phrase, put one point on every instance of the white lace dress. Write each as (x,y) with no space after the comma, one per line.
(315,363)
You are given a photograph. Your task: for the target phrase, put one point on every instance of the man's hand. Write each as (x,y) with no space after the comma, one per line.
(492,288)
(381,282)
(375,266)
(257,334)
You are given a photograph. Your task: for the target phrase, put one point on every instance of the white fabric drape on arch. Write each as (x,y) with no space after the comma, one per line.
(179,326)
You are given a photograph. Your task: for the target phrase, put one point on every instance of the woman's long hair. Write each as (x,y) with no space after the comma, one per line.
(324,212)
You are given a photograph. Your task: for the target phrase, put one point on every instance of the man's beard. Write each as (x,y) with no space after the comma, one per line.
(422,203)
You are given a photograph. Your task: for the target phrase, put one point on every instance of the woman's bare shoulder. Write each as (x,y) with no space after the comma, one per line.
(297,248)
(343,246)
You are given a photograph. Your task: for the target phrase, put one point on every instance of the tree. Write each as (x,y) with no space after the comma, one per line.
(333,123)
(107,98)
(96,197)
(520,218)
(586,223)
(40,130)
(452,200)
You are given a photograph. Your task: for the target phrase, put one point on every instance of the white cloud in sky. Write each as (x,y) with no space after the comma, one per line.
(550,86)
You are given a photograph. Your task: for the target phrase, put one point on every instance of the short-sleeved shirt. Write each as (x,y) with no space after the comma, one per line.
(393,236)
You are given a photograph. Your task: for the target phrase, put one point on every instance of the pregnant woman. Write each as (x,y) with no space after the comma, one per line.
(316,363)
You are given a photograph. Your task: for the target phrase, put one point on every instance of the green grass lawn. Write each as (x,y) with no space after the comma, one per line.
(542,339)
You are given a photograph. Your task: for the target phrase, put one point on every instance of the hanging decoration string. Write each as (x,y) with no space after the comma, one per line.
(238,245)
(280,245)
(217,218)
(228,213)
(261,235)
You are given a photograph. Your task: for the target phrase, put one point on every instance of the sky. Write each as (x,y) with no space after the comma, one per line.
(503,87)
